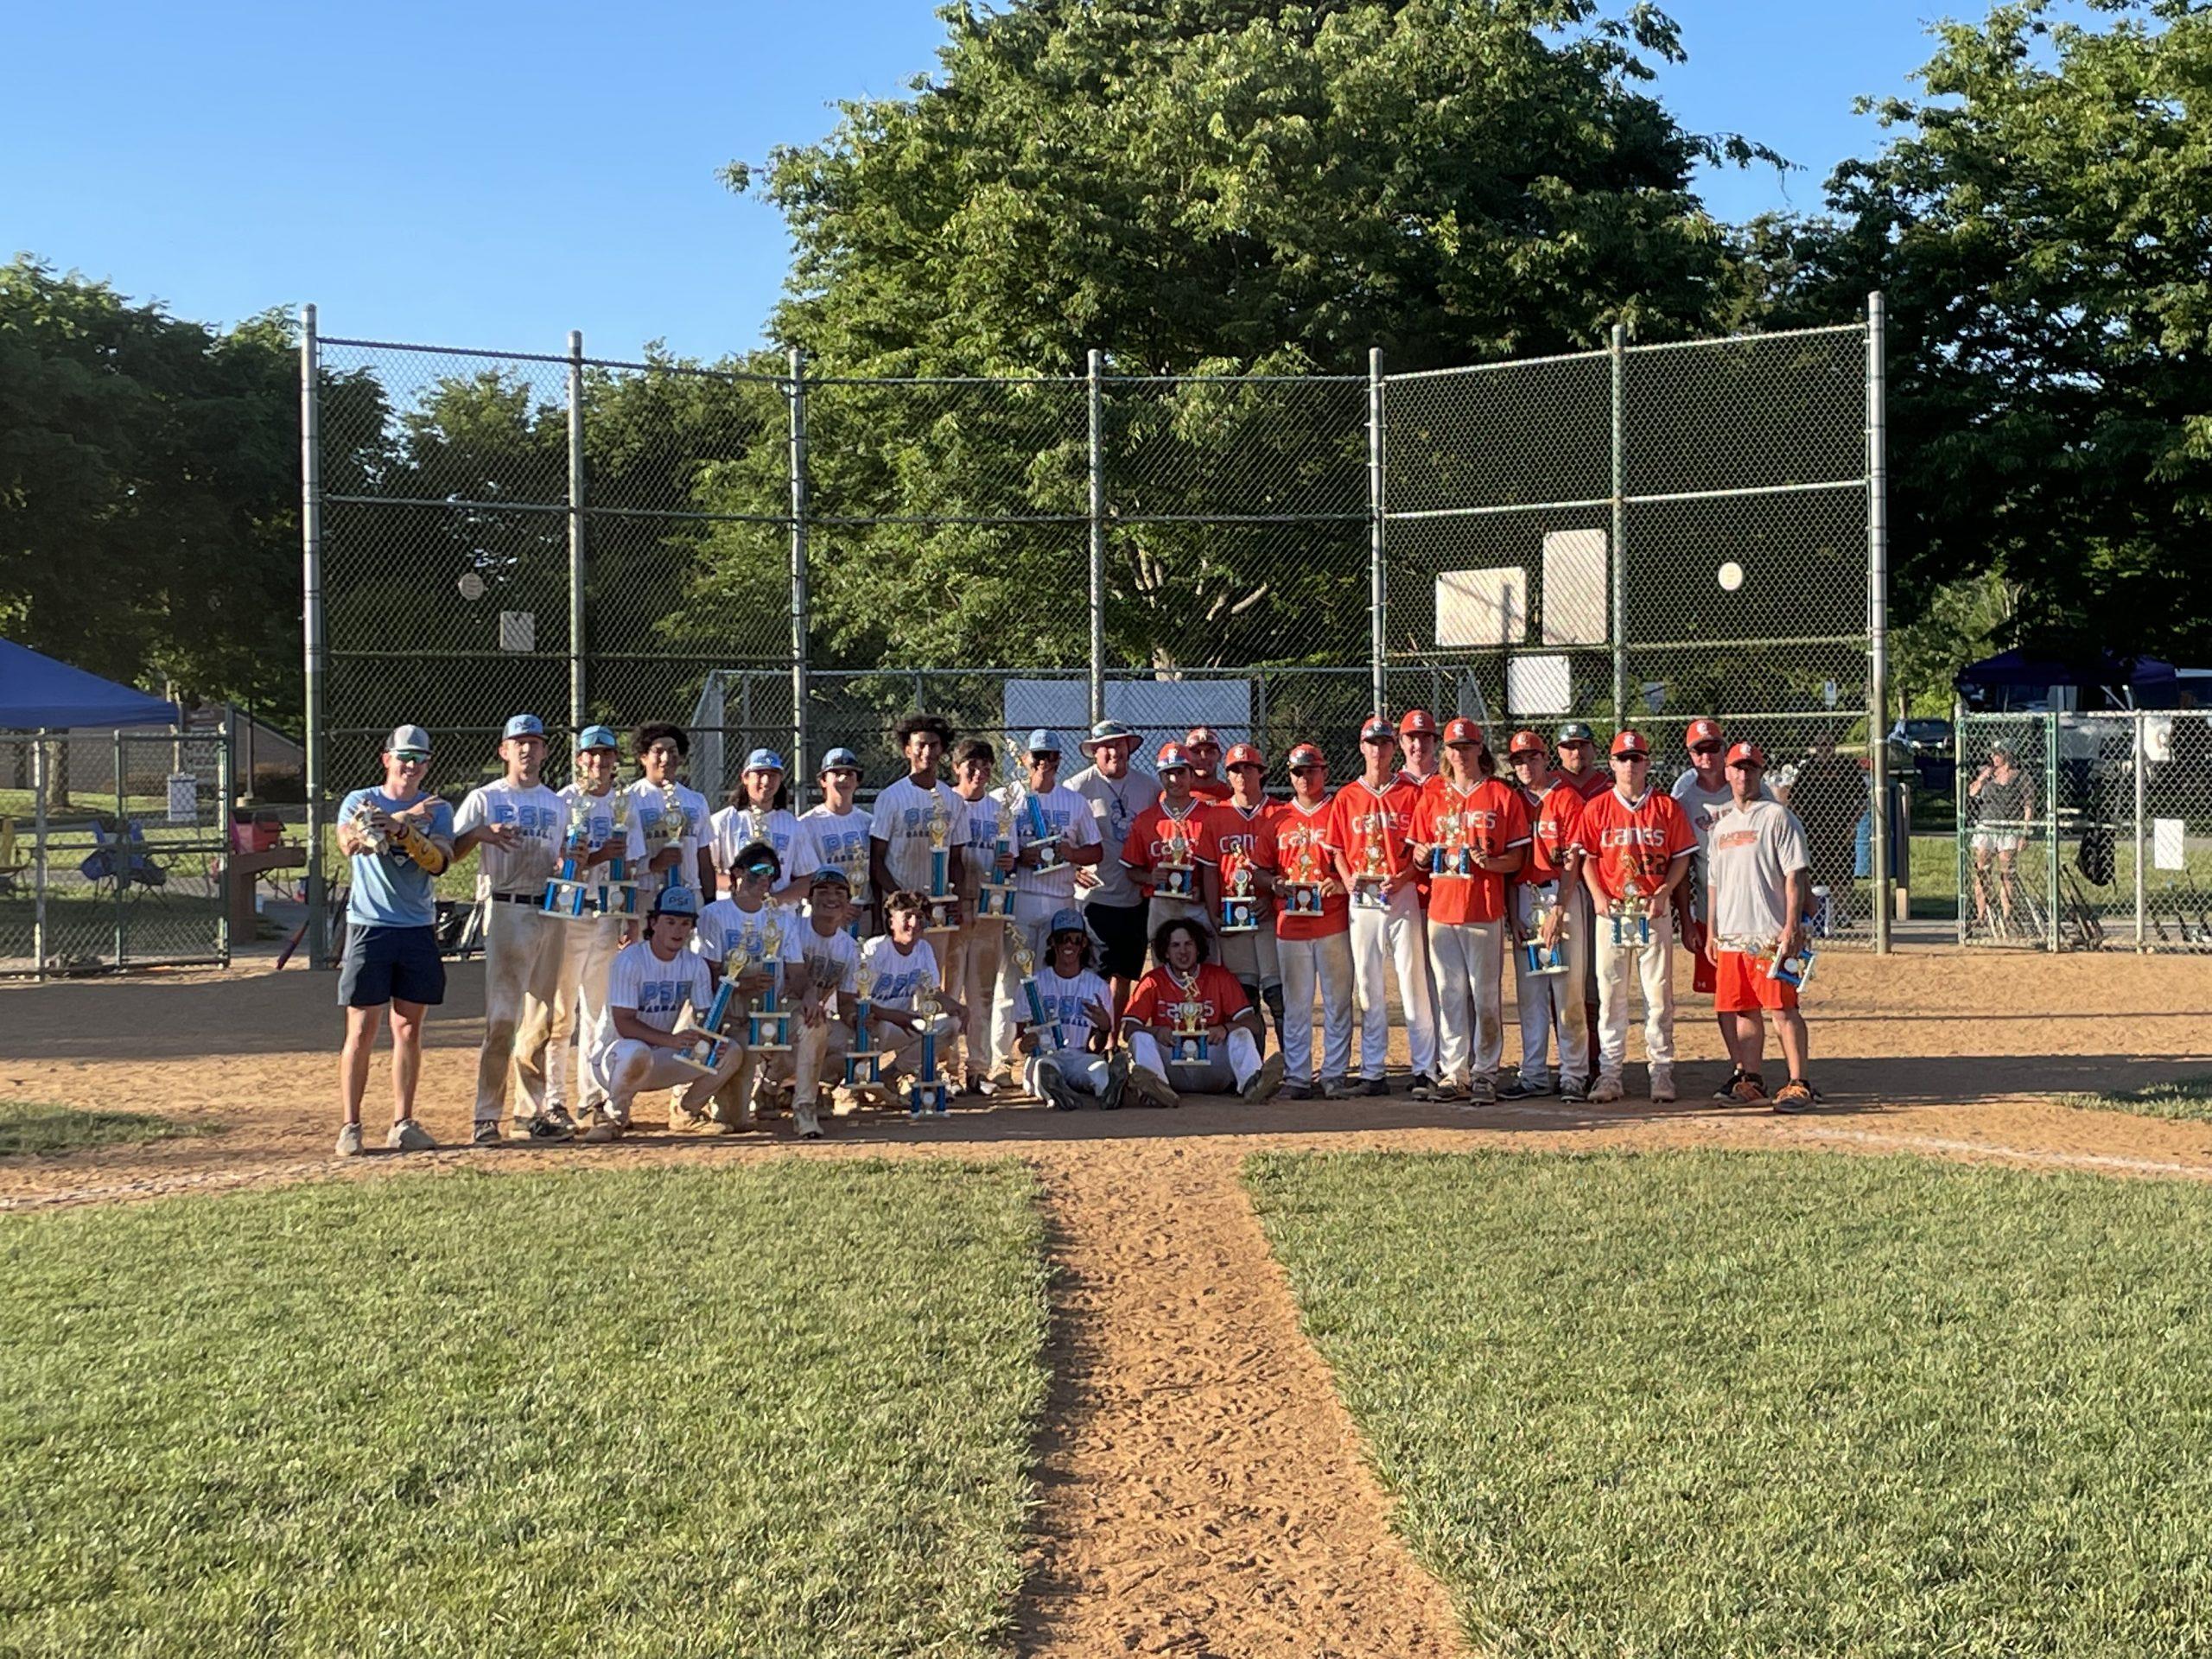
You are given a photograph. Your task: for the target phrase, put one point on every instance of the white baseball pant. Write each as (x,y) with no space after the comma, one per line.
(972,975)
(1654,966)
(588,951)
(1469,961)
(521,975)
(1087,1072)
(1551,1004)
(1226,1070)
(1323,964)
(630,1068)
(1394,939)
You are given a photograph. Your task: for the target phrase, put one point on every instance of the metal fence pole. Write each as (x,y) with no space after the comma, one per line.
(576,564)
(1619,349)
(1959,815)
(1094,363)
(38,850)
(798,758)
(311,615)
(2141,757)
(122,867)
(1878,607)
(1377,556)
(227,776)
(2050,829)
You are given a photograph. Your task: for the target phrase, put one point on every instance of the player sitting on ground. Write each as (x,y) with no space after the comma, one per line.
(1185,993)
(1067,1063)
(638,1045)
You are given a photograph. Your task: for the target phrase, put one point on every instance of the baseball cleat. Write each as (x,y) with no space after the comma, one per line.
(1117,1080)
(1058,1093)
(1482,1092)
(546,1126)
(1337,1088)
(408,1136)
(1448,1091)
(1150,1089)
(1296,1089)
(349,1141)
(1424,1086)
(603,1130)
(1263,1083)
(1605,1091)
(1374,1088)
(1749,1089)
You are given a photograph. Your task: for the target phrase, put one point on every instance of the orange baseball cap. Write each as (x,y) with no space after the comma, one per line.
(1375,726)
(1417,720)
(1747,751)
(1172,756)
(1306,756)
(1701,731)
(1524,742)
(1629,740)
(1462,730)
(1198,734)
(1245,754)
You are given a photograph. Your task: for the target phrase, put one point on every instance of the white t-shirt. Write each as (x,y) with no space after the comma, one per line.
(730,830)
(903,812)
(838,841)
(894,978)
(1066,815)
(657,992)
(1114,805)
(1752,848)
(1066,1001)
(646,811)
(598,820)
(723,925)
(1701,806)
(832,964)
(541,817)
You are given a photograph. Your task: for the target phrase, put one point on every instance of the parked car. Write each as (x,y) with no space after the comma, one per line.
(1928,744)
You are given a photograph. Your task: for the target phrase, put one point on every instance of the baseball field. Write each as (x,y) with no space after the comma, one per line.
(1925,1371)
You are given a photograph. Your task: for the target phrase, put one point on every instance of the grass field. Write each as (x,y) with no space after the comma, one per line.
(779,1410)
(2185,1098)
(43,1126)
(1692,1404)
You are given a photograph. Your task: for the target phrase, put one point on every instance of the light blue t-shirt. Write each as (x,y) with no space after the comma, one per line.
(392,890)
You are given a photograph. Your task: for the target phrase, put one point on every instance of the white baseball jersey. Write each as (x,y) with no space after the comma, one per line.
(539,816)
(1067,815)
(1066,1001)
(903,812)
(893,976)
(838,841)
(725,925)
(646,811)
(730,830)
(656,991)
(832,962)
(1753,848)
(599,819)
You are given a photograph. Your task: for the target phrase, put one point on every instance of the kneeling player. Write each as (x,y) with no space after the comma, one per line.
(1760,887)
(901,965)
(1187,994)
(637,1046)
(819,1033)
(1066,1062)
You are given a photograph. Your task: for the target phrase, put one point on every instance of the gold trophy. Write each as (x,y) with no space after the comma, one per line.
(1302,895)
(1192,1044)
(1631,918)
(767,1026)
(1178,872)
(668,831)
(941,897)
(1239,909)
(1536,955)
(928,1092)
(1367,889)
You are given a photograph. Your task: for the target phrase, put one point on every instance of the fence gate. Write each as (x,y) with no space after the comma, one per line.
(111,850)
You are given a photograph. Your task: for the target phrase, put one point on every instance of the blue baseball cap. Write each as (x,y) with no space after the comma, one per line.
(764,760)
(523,726)
(831,876)
(678,901)
(1045,740)
(1067,921)
(839,759)
(597,737)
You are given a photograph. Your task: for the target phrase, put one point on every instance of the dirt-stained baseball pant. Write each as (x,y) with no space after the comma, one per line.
(587,950)
(630,1068)
(1654,966)
(1308,965)
(521,975)
(1086,1072)
(1392,940)
(972,975)
(1469,960)
(1227,1069)
(1551,1004)
(1257,964)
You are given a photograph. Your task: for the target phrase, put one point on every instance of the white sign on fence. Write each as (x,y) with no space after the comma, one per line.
(2169,843)
(184,798)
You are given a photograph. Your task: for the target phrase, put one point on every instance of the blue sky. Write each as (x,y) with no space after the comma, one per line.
(495,174)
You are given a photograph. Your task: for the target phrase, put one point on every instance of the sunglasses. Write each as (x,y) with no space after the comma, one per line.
(1634,759)
(1705,748)
(410,757)
(759,870)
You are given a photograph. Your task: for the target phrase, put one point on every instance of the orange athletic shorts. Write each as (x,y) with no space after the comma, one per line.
(1740,986)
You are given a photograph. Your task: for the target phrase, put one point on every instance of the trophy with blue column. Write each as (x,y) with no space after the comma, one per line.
(768,1025)
(941,896)
(927,1092)
(863,1062)
(568,889)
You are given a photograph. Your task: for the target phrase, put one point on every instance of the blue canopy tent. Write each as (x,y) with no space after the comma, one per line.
(2018,679)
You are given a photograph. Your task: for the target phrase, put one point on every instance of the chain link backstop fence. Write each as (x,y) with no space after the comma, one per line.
(786,559)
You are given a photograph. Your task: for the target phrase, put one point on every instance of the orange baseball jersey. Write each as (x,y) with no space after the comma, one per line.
(1362,815)
(1491,820)
(1151,833)
(1216,990)
(1302,855)
(1556,830)
(1229,828)
(1210,789)
(1589,785)
(1639,838)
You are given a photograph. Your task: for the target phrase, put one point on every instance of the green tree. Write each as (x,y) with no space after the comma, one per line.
(2042,223)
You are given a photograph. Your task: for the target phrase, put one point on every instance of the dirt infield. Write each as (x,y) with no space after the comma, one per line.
(1202,1489)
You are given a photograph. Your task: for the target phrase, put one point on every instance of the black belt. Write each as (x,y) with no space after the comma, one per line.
(518,898)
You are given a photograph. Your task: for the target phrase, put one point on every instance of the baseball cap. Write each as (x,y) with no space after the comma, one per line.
(523,726)
(1198,734)
(677,901)
(597,737)
(1171,757)
(1746,750)
(1045,740)
(1107,731)
(830,876)
(839,759)
(1067,921)
(1524,742)
(1701,731)
(764,760)
(1576,731)
(1245,754)
(1306,756)
(1629,740)
(1376,726)
(1416,720)
(1461,730)
(407,737)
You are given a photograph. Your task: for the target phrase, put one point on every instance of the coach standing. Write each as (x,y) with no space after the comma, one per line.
(1112,904)
(399,838)
(1634,832)
(1761,888)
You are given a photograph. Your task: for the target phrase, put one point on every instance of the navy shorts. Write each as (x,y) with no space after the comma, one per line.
(1120,931)
(385,964)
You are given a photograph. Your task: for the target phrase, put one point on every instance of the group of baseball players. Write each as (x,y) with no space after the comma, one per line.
(1112,937)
